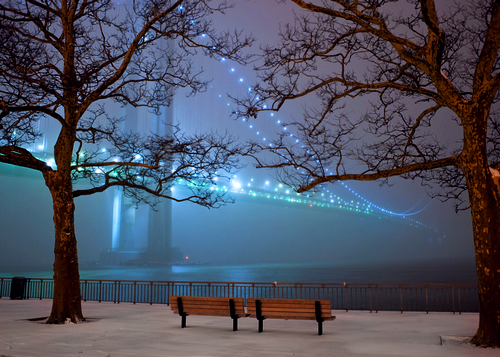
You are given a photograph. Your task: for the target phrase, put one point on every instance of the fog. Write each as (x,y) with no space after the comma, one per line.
(250,230)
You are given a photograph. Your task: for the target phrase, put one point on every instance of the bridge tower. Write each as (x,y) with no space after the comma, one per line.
(141,233)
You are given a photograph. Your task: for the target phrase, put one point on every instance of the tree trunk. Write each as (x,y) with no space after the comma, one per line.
(484,200)
(66,304)
(485,220)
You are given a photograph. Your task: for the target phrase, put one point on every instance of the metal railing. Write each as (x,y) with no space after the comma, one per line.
(446,297)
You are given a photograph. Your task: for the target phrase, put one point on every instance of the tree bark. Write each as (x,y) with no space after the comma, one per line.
(66,304)
(484,200)
(485,219)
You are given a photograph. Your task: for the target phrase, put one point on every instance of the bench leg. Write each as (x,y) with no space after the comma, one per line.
(183,321)
(258,310)
(235,324)
(317,310)
(320,328)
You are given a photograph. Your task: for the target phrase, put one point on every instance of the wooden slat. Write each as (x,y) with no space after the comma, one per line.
(294,317)
(290,301)
(286,317)
(287,307)
(208,313)
(205,298)
(213,306)
(299,309)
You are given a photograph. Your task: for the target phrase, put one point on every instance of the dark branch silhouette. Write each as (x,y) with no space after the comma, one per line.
(423,70)
(66,62)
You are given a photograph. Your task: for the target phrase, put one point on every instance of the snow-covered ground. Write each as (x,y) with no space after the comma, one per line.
(143,330)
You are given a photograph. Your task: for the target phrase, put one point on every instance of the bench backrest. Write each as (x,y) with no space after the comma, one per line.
(303,309)
(213,306)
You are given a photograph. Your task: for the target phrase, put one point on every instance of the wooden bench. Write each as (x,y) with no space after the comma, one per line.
(318,310)
(208,306)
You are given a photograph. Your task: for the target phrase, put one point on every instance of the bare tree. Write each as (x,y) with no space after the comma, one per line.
(419,67)
(66,60)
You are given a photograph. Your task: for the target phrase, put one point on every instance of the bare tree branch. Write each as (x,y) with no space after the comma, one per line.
(423,69)
(64,62)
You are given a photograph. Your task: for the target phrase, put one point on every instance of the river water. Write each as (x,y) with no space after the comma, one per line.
(453,271)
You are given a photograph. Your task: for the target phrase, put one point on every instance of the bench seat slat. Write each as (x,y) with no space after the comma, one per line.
(187,302)
(293,317)
(290,304)
(287,313)
(205,298)
(187,305)
(289,301)
(212,313)
(297,307)
(209,312)
(282,308)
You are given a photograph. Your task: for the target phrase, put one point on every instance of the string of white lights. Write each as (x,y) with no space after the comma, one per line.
(361,202)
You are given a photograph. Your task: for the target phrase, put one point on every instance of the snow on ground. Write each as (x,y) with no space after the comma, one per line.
(154,330)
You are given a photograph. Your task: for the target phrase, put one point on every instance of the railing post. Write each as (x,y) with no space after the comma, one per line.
(453,298)
(401,297)
(28,288)
(151,294)
(427,298)
(346,298)
(135,291)
(40,289)
(119,292)
(459,301)
(370,289)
